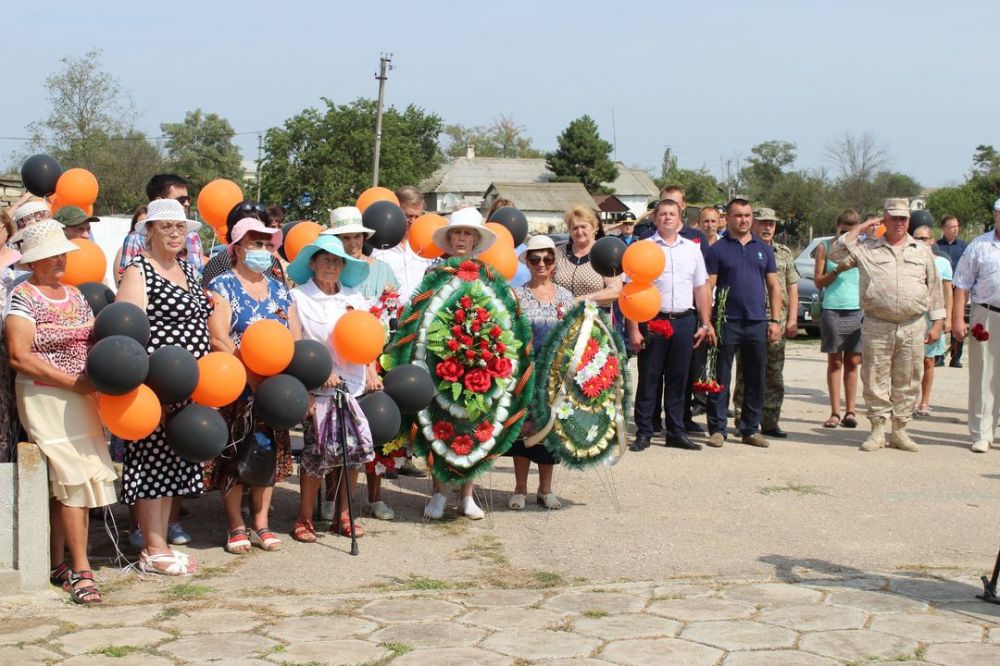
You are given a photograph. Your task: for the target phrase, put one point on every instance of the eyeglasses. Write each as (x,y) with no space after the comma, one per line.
(184,200)
(170,228)
(261,245)
(922,238)
(536,259)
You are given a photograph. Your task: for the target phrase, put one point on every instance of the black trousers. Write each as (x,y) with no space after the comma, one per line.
(749,339)
(664,363)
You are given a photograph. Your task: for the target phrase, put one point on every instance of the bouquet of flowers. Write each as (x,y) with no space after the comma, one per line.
(387,307)
(980,333)
(660,327)
(707,382)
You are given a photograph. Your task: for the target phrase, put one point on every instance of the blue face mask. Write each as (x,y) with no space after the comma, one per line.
(257,260)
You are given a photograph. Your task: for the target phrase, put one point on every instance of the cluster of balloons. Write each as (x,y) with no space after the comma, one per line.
(407,389)
(510,227)
(643,262)
(43,176)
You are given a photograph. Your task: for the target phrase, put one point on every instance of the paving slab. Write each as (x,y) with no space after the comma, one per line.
(320,627)
(497,598)
(410,610)
(825,584)
(87,640)
(212,621)
(697,610)
(336,653)
(606,602)
(934,589)
(618,627)
(855,645)
(658,651)
(770,594)
(512,618)
(534,644)
(813,617)
(134,659)
(684,591)
(108,616)
(876,602)
(27,655)
(462,656)
(777,658)
(929,628)
(988,614)
(740,635)
(296,605)
(16,633)
(968,654)
(429,635)
(209,647)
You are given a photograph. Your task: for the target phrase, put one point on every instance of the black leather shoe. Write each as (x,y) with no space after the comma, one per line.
(682,442)
(775,432)
(955,364)
(657,429)
(640,443)
(409,469)
(691,426)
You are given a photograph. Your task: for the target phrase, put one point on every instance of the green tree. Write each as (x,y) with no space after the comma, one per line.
(583,156)
(123,167)
(803,200)
(858,160)
(502,138)
(201,148)
(321,159)
(766,166)
(964,202)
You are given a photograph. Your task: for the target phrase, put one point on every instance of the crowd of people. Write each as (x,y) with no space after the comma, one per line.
(728,301)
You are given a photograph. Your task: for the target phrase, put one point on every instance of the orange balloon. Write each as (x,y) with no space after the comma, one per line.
(76,187)
(358,337)
(89,210)
(267,347)
(501,257)
(216,199)
(131,416)
(639,301)
(221,379)
(54,204)
(373,194)
(421,235)
(86,264)
(643,261)
(504,236)
(301,235)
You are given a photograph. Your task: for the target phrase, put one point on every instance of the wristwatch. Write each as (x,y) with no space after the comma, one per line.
(773,321)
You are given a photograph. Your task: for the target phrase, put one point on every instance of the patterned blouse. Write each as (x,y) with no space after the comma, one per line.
(63,328)
(245,309)
(543,316)
(575,273)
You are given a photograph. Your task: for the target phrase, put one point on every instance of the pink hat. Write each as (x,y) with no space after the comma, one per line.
(248,224)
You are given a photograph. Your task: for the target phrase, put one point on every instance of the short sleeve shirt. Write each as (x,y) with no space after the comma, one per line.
(978,270)
(742,268)
(683,271)
(245,310)
(63,327)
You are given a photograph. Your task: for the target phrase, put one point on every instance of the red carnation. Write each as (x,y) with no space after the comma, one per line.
(483,344)
(478,380)
(501,347)
(462,445)
(500,366)
(452,345)
(470,354)
(456,329)
(484,431)
(449,370)
(465,340)
(487,355)
(465,302)
(697,239)
(468,271)
(460,316)
(496,331)
(444,430)
(476,326)
(482,314)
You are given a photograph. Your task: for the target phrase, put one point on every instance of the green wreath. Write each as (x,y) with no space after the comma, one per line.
(481,359)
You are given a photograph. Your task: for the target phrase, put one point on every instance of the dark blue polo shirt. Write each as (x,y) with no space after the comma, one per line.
(952,250)
(742,269)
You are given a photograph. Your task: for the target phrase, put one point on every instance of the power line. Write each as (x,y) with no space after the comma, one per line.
(137,138)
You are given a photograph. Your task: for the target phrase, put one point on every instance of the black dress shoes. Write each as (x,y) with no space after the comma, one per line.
(682,442)
(775,432)
(640,443)
(691,426)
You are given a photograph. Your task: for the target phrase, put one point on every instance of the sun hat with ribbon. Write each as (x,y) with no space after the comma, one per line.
(166,210)
(355,270)
(466,218)
(535,243)
(347,220)
(44,239)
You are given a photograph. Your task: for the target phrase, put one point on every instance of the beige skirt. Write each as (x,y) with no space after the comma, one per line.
(67,428)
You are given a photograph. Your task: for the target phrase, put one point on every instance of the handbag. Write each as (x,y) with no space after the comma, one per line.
(256,460)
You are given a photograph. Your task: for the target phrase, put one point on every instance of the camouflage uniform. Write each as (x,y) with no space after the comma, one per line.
(774,382)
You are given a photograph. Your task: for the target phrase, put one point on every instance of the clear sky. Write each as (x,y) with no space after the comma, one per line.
(709,79)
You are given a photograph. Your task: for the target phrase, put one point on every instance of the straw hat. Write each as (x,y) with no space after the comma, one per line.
(44,239)
(466,218)
(535,243)
(166,210)
(347,220)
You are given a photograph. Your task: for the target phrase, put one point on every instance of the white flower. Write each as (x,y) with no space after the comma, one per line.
(379,469)
(565,410)
(610,411)
(592,433)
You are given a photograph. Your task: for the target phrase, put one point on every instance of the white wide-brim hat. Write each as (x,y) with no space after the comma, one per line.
(347,220)
(166,210)
(536,243)
(466,218)
(44,239)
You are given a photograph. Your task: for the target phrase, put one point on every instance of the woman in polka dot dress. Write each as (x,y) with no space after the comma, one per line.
(178,308)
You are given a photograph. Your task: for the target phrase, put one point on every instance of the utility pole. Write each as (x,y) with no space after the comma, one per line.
(614,133)
(260,153)
(665,167)
(384,67)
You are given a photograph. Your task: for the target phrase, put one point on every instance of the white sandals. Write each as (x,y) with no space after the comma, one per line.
(177,564)
(549,501)
(516,502)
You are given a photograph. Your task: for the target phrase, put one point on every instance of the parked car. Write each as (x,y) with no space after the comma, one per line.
(805,264)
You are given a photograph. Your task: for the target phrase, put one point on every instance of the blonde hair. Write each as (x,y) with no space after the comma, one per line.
(408,195)
(583,214)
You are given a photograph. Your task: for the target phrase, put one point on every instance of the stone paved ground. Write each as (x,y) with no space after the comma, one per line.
(809,552)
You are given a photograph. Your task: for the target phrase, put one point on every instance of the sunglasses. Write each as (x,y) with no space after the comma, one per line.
(922,238)
(536,260)
(184,200)
(261,245)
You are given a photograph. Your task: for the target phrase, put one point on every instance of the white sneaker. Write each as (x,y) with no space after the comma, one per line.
(468,508)
(326,511)
(382,511)
(435,507)
(981,446)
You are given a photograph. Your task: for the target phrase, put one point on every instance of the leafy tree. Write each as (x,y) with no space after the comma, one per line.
(985,161)
(583,156)
(700,186)
(893,184)
(321,159)
(765,167)
(200,148)
(964,202)
(123,167)
(502,138)
(803,200)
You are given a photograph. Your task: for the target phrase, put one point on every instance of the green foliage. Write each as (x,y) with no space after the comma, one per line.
(700,186)
(328,155)
(201,148)
(965,202)
(502,138)
(583,156)
(766,167)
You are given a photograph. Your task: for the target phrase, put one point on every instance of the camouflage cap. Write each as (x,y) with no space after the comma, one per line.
(765,215)
(73,216)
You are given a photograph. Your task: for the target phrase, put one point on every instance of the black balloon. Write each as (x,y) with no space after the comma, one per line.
(514,221)
(39,173)
(284,234)
(282,402)
(122,319)
(389,222)
(606,256)
(173,374)
(97,295)
(410,386)
(919,218)
(197,433)
(117,365)
(383,416)
(311,363)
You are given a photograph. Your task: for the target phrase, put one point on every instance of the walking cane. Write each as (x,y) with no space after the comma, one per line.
(343,415)
(990,585)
